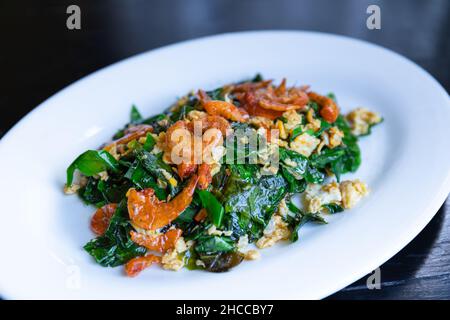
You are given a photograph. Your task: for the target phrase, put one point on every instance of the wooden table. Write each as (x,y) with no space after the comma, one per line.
(40,56)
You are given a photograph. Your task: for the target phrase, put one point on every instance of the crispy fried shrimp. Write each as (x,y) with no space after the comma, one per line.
(132,133)
(217,122)
(328,108)
(221,108)
(268,101)
(204,176)
(101,218)
(148,212)
(159,243)
(173,139)
(186,169)
(251,86)
(136,265)
(251,105)
(281,99)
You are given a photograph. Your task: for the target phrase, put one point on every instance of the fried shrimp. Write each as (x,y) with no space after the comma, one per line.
(101,218)
(221,108)
(268,101)
(328,108)
(159,243)
(204,176)
(132,133)
(136,265)
(146,211)
(184,130)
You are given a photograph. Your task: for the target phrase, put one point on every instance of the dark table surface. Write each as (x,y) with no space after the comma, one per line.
(39,56)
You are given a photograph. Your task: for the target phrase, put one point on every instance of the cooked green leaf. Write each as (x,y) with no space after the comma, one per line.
(250,204)
(333,208)
(149,142)
(90,163)
(212,206)
(135,115)
(299,219)
(214,244)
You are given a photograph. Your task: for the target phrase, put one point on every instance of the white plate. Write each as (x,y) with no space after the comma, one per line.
(406,162)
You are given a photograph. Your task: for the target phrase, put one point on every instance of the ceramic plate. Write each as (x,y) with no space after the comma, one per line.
(406,163)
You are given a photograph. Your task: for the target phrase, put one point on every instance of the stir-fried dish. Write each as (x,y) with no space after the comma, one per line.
(220,175)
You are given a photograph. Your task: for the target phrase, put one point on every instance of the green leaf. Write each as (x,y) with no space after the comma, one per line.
(159,122)
(187,216)
(135,115)
(296,132)
(216,94)
(351,159)
(222,261)
(300,160)
(327,156)
(149,142)
(300,219)
(324,125)
(249,204)
(92,162)
(214,244)
(332,96)
(90,193)
(142,179)
(295,186)
(258,78)
(333,208)
(213,207)
(181,113)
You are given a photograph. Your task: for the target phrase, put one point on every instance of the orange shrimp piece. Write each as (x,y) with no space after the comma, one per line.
(217,122)
(205,123)
(221,108)
(101,218)
(201,215)
(131,134)
(328,108)
(251,86)
(204,176)
(269,101)
(160,243)
(185,169)
(148,212)
(281,99)
(251,105)
(136,265)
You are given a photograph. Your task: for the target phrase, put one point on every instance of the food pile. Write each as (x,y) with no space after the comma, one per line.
(272,158)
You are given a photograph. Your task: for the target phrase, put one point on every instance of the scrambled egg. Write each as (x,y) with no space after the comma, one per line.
(252,255)
(334,137)
(304,144)
(275,231)
(313,123)
(171,261)
(196,115)
(213,231)
(352,192)
(260,122)
(317,195)
(346,194)
(361,119)
(293,120)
